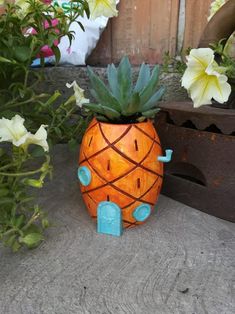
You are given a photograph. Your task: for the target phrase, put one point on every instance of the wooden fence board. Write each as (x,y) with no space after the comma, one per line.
(143,30)
(196,14)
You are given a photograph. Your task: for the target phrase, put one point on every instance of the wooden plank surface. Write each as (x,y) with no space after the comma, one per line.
(196,14)
(144,30)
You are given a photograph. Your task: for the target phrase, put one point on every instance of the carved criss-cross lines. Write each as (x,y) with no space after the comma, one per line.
(110,183)
(146,192)
(115,187)
(107,147)
(130,204)
(124,155)
(139,199)
(125,174)
(142,131)
(92,126)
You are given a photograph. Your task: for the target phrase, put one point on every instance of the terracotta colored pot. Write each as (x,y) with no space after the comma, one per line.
(118,164)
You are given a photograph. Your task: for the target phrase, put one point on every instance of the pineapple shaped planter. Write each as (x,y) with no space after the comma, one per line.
(120,163)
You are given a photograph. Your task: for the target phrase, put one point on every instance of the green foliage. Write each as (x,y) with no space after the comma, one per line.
(123,102)
(19,217)
(224,59)
(22,222)
(174,64)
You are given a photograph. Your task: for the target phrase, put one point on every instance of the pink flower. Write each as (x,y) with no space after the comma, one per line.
(46,50)
(47,1)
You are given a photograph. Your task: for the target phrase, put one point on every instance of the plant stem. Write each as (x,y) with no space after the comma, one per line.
(22,174)
(31,220)
(12,103)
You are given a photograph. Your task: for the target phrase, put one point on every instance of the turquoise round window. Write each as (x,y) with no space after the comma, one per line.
(84,175)
(142,212)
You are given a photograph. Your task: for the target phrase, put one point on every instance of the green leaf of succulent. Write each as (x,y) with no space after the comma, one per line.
(154,99)
(150,113)
(113,80)
(103,110)
(124,74)
(101,92)
(102,118)
(143,78)
(134,105)
(131,102)
(151,87)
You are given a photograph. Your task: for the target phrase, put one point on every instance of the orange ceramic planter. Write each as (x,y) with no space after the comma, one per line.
(123,166)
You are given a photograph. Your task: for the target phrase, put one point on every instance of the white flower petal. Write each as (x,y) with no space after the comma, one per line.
(223,90)
(209,87)
(39,138)
(13,130)
(204,78)
(71,85)
(102,8)
(79,94)
(190,76)
(200,92)
(200,57)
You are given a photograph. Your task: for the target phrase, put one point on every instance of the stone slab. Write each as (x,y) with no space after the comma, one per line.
(57,77)
(180,262)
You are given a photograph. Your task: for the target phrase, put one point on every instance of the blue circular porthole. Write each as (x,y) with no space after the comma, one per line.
(142,212)
(84,175)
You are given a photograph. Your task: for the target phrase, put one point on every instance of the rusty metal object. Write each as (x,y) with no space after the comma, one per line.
(202,171)
(221,25)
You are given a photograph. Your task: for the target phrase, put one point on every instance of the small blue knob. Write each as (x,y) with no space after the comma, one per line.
(166,158)
(142,212)
(84,175)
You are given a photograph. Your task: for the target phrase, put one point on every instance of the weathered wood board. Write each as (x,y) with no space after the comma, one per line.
(196,13)
(144,30)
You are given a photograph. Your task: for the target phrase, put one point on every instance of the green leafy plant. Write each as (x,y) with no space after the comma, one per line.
(124,102)
(224,59)
(21,221)
(47,120)
(174,64)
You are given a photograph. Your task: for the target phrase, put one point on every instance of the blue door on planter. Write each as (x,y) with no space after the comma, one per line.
(109,219)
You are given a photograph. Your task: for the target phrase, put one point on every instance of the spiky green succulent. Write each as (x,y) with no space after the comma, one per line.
(123,101)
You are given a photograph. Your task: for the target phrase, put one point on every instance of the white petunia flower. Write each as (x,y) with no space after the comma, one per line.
(14,131)
(204,79)
(79,94)
(39,138)
(102,8)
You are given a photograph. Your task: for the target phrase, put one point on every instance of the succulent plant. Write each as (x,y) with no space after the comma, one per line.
(124,102)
